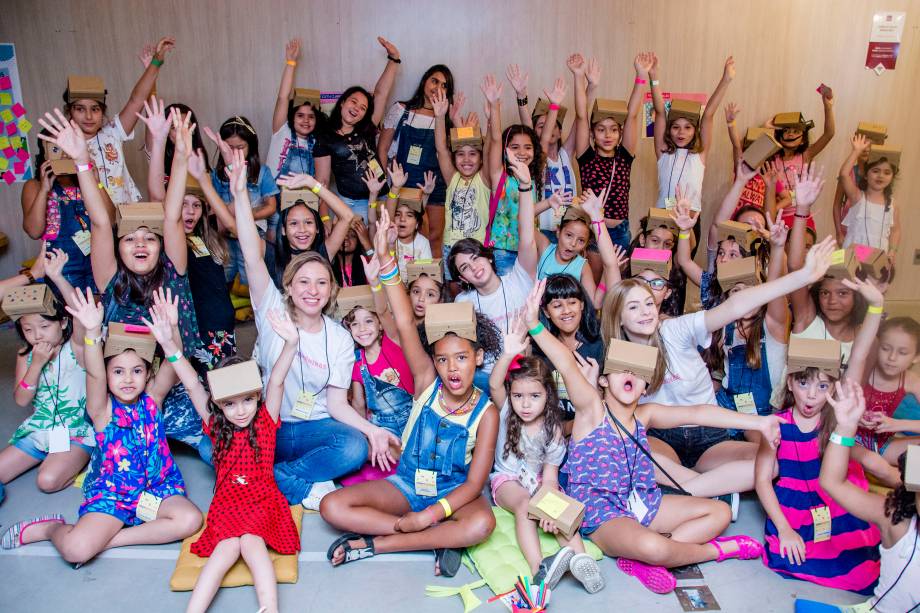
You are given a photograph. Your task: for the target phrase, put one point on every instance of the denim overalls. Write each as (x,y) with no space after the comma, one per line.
(72,218)
(299,159)
(742,379)
(389,405)
(435,444)
(410,136)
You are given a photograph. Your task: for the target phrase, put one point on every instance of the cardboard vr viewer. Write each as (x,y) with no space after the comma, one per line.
(293,197)
(875,132)
(35,298)
(465,135)
(430,267)
(411,197)
(661,217)
(134,215)
(656,260)
(742,233)
(614,109)
(234,380)
(551,504)
(891,154)
(61,163)
(761,150)
(122,336)
(688,109)
(300,95)
(351,297)
(823,354)
(740,270)
(84,87)
(456,317)
(844,264)
(624,356)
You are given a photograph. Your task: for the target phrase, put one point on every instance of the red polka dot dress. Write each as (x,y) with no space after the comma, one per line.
(247,500)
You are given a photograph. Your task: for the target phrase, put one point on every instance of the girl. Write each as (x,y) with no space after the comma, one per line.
(49,369)
(423,292)
(452,429)
(410,244)
(294,129)
(346,264)
(408,138)
(347,146)
(237,134)
(670,293)
(130,270)
(160,144)
(895,514)
(630,314)
(133,492)
(248,515)
(887,385)
(874,219)
(609,470)
(841,203)
(827,546)
(321,437)
(529,449)
(680,134)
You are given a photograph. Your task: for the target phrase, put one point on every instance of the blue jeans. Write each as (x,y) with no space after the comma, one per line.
(307,452)
(504,261)
(358,207)
(620,234)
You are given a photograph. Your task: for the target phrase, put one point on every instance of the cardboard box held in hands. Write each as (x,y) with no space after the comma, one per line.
(351,297)
(761,150)
(739,270)
(134,215)
(122,337)
(823,354)
(877,133)
(843,264)
(614,109)
(656,260)
(742,233)
(301,95)
(411,197)
(688,109)
(465,135)
(912,469)
(624,356)
(61,163)
(234,380)
(752,134)
(83,87)
(456,317)
(551,504)
(872,261)
(35,298)
(430,267)
(661,217)
(292,197)
(542,108)
(891,154)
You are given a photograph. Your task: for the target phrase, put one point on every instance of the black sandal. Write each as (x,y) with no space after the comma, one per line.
(352,554)
(448,561)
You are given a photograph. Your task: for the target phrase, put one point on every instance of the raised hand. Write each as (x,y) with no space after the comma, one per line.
(653,71)
(184,131)
(196,165)
(576,64)
(85,309)
(643,63)
(532,306)
(621,255)
(167,304)
(860,143)
(557,94)
(491,89)
(146,54)
(237,171)
(518,340)
(456,106)
(66,134)
(371,268)
(593,204)
(849,405)
(292,50)
(589,368)
(808,184)
(283,326)
(398,176)
(770,171)
(38,266)
(728,73)
(517,79)
(682,213)
(373,182)
(732,110)
(867,289)
(381,245)
(593,72)
(818,259)
(357,224)
(428,186)
(225,152)
(390,48)
(297,181)
(164,46)
(155,118)
(54,263)
(779,231)
(161,328)
(745,173)
(440,104)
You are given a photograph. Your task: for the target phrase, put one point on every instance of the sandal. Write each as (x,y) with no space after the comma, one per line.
(748,548)
(12,538)
(448,561)
(352,554)
(658,579)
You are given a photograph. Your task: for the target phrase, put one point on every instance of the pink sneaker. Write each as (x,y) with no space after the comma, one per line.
(748,548)
(655,578)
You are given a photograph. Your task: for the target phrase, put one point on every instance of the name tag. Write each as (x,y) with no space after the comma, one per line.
(59,440)
(374,165)
(198,247)
(82,240)
(147,506)
(744,403)
(528,480)
(670,202)
(637,506)
(821,517)
(303,408)
(426,482)
(415,155)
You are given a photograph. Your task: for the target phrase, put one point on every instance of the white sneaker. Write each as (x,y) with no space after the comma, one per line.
(733,500)
(316,494)
(585,569)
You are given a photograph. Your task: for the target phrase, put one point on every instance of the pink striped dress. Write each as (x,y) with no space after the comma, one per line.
(849,560)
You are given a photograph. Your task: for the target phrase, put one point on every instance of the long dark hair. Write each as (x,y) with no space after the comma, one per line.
(241,127)
(132,288)
(539,159)
(357,266)
(714,355)
(901,505)
(542,373)
(197,143)
(859,304)
(417,100)
(321,118)
(474,248)
(561,286)
(59,315)
(863,180)
(364,128)
(283,250)
(223,429)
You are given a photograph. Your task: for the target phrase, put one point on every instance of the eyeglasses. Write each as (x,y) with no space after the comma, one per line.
(656,284)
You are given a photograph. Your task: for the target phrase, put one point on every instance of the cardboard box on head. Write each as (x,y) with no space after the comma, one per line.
(551,504)
(739,270)
(741,233)
(301,95)
(912,469)
(35,298)
(614,109)
(411,197)
(688,109)
(351,297)
(656,260)
(624,356)
(465,135)
(823,354)
(891,154)
(661,217)
(430,267)
(872,261)
(456,317)
(83,87)
(752,134)
(61,163)
(134,215)
(542,108)
(234,380)
(292,197)
(791,120)
(122,337)
(875,132)
(761,150)
(843,264)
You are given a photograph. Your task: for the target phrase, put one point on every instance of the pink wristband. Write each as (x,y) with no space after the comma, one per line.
(640,81)
(602,287)
(26,386)
(553,106)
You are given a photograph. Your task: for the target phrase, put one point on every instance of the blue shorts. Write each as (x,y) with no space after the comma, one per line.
(27,445)
(416,503)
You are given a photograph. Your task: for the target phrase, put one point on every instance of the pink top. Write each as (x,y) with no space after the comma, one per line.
(390,366)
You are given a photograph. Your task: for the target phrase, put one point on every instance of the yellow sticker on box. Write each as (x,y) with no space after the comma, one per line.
(465,132)
(552,505)
(838,256)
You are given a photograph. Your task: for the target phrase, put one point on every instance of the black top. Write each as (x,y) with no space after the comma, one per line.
(210,294)
(350,155)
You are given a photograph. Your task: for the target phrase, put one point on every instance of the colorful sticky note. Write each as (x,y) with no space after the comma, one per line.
(19,168)
(4,164)
(552,505)
(8,152)
(9,177)
(11,128)
(25,125)
(16,142)
(6,99)
(5,83)
(18,110)
(6,115)
(22,154)
(4,142)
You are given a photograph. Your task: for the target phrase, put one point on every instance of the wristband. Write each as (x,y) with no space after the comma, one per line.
(325,218)
(731,123)
(290,62)
(395,60)
(369,253)
(640,81)
(683,235)
(28,275)
(26,386)
(446,505)
(536,329)
(602,287)
(801,216)
(172,359)
(100,185)
(373,204)
(522,101)
(874,310)
(376,288)
(525,189)
(229,167)
(654,82)
(553,106)
(156,62)
(84,167)
(396,280)
(91,341)
(843,441)
(392,196)
(316,188)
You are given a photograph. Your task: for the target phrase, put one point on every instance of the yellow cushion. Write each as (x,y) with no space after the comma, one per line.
(189,566)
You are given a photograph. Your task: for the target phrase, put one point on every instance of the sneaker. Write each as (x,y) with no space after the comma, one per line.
(733,500)
(585,569)
(316,494)
(553,568)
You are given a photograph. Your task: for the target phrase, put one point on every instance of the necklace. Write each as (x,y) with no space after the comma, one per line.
(463,409)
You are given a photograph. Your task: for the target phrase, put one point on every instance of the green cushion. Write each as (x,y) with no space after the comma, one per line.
(499,560)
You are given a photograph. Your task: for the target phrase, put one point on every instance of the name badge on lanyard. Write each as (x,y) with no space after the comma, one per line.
(147,506)
(82,240)
(821,517)
(415,155)
(303,407)
(59,439)
(426,482)
(744,403)
(636,506)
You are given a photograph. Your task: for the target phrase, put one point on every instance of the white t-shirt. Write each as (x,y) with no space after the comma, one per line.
(686,381)
(501,305)
(536,451)
(682,168)
(419,249)
(895,568)
(416,120)
(279,147)
(315,368)
(558,175)
(109,159)
(868,223)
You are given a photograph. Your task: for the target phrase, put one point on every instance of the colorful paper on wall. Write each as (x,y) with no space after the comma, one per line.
(14,131)
(648,110)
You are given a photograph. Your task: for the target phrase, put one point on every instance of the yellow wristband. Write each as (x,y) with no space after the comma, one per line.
(446,506)
(290,62)
(392,196)
(373,204)
(683,235)
(732,123)
(316,188)
(376,288)
(875,310)
(91,341)
(325,218)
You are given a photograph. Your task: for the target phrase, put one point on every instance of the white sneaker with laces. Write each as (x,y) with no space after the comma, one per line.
(316,494)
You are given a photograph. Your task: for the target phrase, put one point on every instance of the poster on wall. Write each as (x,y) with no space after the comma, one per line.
(648,110)
(885,41)
(14,126)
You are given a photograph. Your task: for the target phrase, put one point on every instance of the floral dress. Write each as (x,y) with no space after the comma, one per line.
(132,457)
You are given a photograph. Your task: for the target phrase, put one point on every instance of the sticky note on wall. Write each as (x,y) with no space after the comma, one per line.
(7,115)
(6,99)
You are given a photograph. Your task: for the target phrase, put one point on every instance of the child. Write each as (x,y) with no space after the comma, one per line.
(434,501)
(133,492)
(409,244)
(424,291)
(248,515)
(886,387)
(873,220)
(347,263)
(160,143)
(841,203)
(529,449)
(610,472)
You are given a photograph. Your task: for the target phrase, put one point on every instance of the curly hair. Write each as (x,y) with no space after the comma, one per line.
(223,429)
(863,182)
(488,335)
(900,505)
(537,370)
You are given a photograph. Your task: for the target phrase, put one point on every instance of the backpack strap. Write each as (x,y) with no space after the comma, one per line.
(494,199)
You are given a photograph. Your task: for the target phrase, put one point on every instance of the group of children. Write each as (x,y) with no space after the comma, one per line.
(546,350)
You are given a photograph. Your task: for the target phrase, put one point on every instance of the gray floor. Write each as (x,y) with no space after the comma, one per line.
(136,578)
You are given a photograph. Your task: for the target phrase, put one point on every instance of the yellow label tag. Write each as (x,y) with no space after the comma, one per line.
(465,132)
(82,240)
(821,517)
(415,155)
(838,256)
(374,165)
(426,482)
(552,505)
(303,408)
(147,506)
(198,247)
(424,261)
(744,403)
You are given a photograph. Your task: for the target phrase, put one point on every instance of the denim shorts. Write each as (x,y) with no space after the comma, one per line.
(690,442)
(27,445)
(620,234)
(445,269)
(504,261)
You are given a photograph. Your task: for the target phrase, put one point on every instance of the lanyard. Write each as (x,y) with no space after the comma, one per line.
(303,382)
(630,466)
(501,283)
(57,388)
(681,174)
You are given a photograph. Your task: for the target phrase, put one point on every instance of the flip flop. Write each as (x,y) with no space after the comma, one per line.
(352,554)
(12,538)
(448,561)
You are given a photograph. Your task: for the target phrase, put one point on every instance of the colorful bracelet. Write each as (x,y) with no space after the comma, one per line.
(394,281)
(317,188)
(156,62)
(26,386)
(553,106)
(172,359)
(602,287)
(392,196)
(290,62)
(91,341)
(376,288)
(84,167)
(446,505)
(640,81)
(843,441)
(100,185)
(525,189)
(522,101)
(325,218)
(875,310)
(372,204)
(390,274)
(536,329)
(395,60)
(683,235)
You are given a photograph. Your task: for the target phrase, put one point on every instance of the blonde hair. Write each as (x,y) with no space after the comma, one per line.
(298,262)
(612,327)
